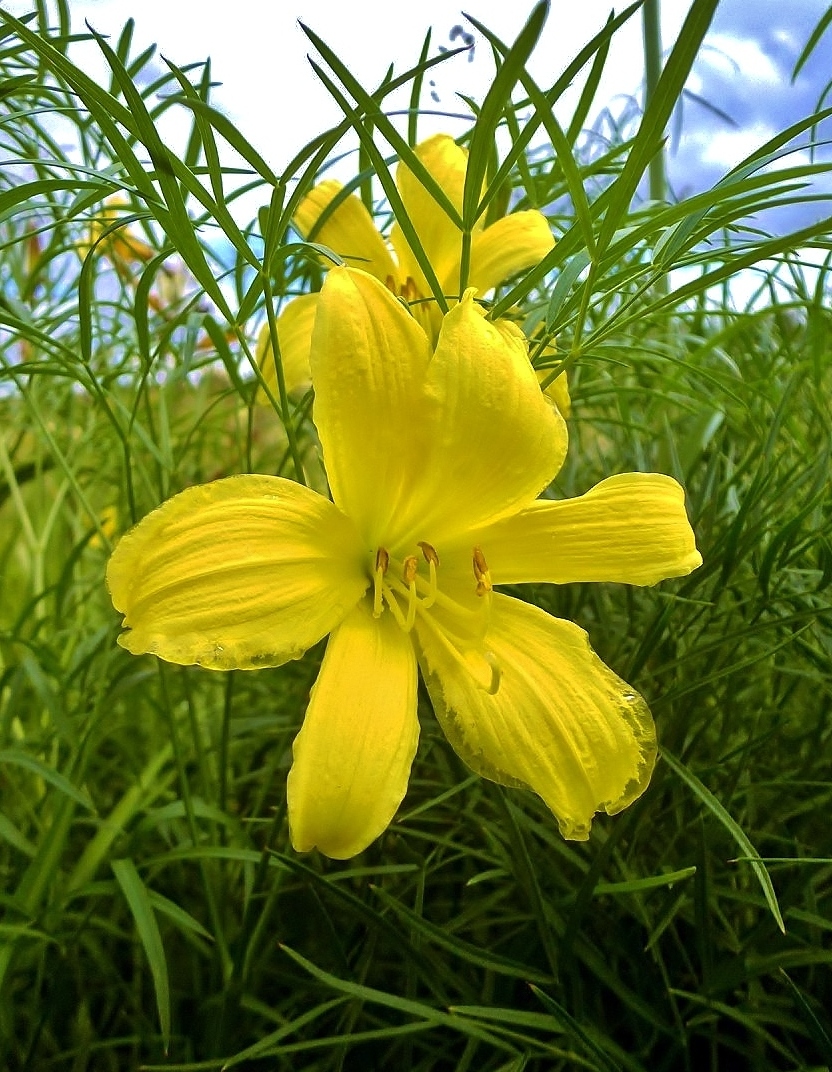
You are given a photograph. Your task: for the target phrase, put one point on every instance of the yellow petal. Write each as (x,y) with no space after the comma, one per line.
(441,239)
(368,358)
(353,754)
(496,441)
(349,231)
(408,265)
(294,333)
(557,391)
(630,528)
(414,287)
(558,388)
(561,722)
(245,572)
(508,246)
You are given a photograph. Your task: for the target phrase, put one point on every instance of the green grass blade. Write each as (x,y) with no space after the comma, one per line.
(138,898)
(737,833)
(18,758)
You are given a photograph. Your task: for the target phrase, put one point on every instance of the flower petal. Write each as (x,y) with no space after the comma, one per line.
(441,239)
(245,572)
(353,754)
(349,231)
(630,528)
(557,391)
(560,722)
(294,333)
(369,357)
(409,267)
(508,246)
(496,441)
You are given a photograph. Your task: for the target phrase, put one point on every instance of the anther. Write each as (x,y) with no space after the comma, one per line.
(429,551)
(409,289)
(481,572)
(432,559)
(409,570)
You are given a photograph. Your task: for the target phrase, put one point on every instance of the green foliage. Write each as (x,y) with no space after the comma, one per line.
(153,914)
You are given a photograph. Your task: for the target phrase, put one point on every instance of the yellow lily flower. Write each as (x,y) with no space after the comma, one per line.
(434,458)
(108,520)
(123,247)
(510,245)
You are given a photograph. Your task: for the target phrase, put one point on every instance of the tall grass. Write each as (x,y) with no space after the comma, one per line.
(153,912)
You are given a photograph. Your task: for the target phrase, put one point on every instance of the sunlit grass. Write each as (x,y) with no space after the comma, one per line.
(154,914)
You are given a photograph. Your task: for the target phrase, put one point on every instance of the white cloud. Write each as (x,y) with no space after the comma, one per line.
(743,56)
(727,148)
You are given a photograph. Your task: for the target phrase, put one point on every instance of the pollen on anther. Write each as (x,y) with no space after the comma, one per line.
(382,559)
(409,289)
(481,572)
(410,567)
(432,559)
(429,551)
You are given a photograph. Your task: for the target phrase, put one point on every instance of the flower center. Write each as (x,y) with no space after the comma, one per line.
(400,586)
(420,306)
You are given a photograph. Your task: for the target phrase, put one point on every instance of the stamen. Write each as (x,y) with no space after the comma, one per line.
(382,562)
(432,559)
(409,289)
(395,610)
(410,567)
(481,572)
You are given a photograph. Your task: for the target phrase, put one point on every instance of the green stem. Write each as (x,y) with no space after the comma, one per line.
(652,35)
(285,412)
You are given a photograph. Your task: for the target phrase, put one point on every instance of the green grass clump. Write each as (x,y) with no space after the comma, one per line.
(154,914)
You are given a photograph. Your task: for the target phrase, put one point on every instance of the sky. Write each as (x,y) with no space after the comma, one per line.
(271,92)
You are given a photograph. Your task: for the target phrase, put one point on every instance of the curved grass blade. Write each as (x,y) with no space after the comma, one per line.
(18,758)
(737,833)
(138,898)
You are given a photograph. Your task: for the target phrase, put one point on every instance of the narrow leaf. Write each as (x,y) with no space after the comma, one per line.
(138,898)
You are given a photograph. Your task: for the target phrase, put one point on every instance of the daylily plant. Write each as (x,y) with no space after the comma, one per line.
(507,246)
(435,458)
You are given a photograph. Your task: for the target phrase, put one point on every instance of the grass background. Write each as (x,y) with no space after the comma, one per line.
(153,913)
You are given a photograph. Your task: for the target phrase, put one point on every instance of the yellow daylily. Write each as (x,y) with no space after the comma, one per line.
(509,245)
(123,246)
(108,521)
(435,457)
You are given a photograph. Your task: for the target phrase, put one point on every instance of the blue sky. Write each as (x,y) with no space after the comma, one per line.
(745,70)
